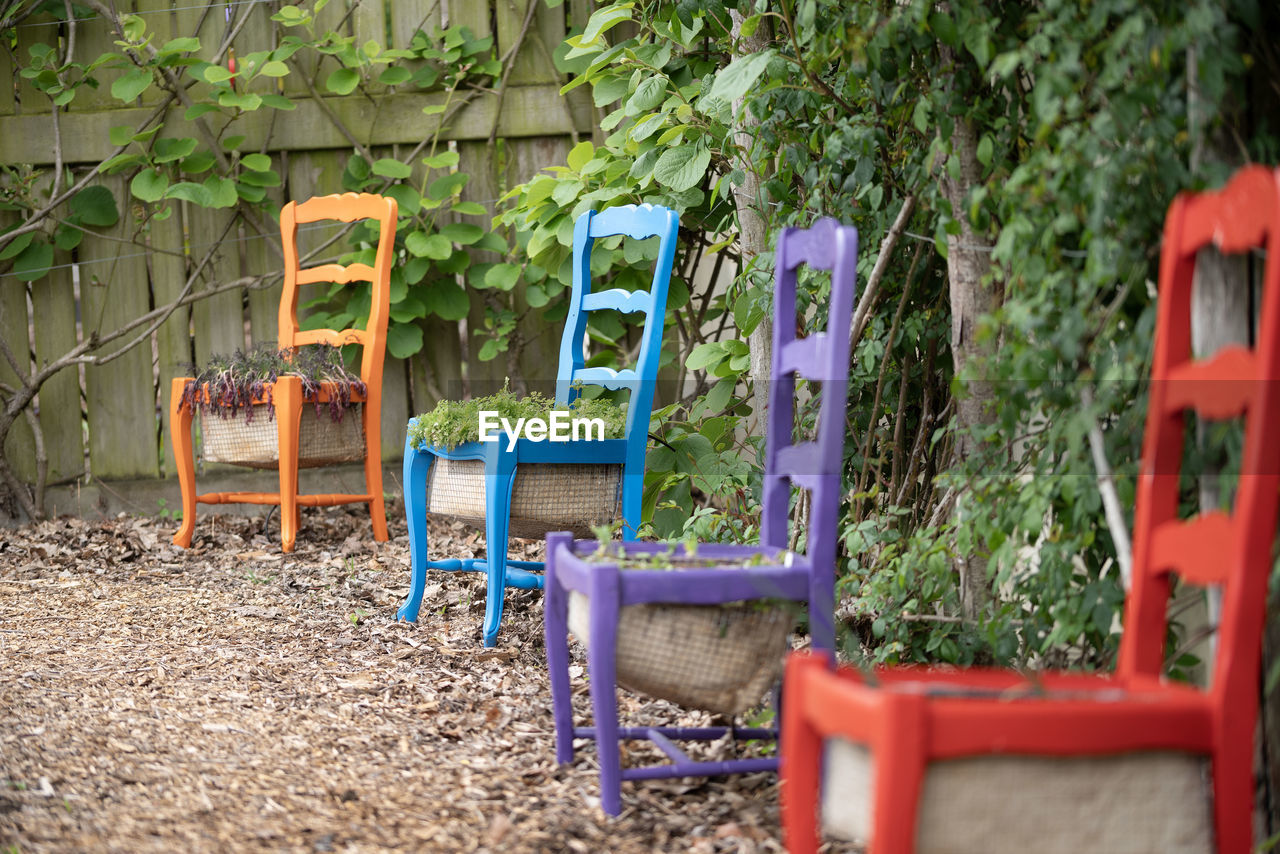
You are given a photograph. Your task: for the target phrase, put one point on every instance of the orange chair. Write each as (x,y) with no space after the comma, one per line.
(909,743)
(286,392)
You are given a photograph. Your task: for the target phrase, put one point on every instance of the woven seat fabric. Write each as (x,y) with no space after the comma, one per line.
(256,443)
(718,658)
(544,497)
(1132,803)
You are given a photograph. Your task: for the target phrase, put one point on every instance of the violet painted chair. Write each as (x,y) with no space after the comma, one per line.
(637,222)
(822,359)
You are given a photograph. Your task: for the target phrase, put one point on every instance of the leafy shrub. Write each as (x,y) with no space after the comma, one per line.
(457,422)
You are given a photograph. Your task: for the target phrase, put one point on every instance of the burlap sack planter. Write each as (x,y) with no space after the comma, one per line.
(545,497)
(1134,803)
(719,658)
(256,444)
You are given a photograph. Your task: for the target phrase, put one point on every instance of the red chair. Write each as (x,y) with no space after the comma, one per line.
(902,746)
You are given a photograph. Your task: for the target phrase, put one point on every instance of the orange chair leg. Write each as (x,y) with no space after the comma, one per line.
(373,466)
(180,437)
(899,776)
(288,401)
(800,760)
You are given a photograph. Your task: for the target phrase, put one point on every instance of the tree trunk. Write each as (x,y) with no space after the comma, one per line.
(753,237)
(973,294)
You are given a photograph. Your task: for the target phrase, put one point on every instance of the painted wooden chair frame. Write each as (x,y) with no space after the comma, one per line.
(286,392)
(637,222)
(908,717)
(823,359)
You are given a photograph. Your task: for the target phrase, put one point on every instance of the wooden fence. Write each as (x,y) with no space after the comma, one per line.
(110,278)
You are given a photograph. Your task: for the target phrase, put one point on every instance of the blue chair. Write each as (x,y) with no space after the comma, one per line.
(501,463)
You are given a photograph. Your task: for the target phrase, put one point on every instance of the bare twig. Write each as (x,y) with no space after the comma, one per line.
(1106,485)
(862,314)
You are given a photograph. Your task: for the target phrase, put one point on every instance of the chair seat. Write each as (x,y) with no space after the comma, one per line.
(719,658)
(1131,803)
(545,497)
(255,442)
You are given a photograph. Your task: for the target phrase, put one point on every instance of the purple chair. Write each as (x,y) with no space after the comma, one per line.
(823,359)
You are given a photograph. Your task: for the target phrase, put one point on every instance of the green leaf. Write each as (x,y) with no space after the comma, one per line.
(433,109)
(199,162)
(602,20)
(195,111)
(67,237)
(609,89)
(985,147)
(187,191)
(247,101)
(274,68)
(168,150)
(470,209)
(120,135)
(149,185)
(388,167)
(682,167)
(434,246)
(944,28)
(462,232)
(740,75)
(394,75)
(704,355)
(447,300)
(33,262)
(404,340)
(343,81)
(580,155)
(217,74)
(278,102)
(446,186)
(17,245)
(257,162)
(410,201)
(96,206)
(181,45)
(231,143)
(649,94)
(130,85)
(443,160)
(502,276)
(536,296)
(222,191)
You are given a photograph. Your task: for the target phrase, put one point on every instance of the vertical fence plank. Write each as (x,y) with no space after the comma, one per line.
(473,14)
(8,95)
(407,17)
(53,306)
(120,394)
(218,321)
(545,33)
(476,159)
(95,37)
(541,354)
(19,446)
(168,270)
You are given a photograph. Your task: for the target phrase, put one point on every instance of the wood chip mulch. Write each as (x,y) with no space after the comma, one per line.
(230,697)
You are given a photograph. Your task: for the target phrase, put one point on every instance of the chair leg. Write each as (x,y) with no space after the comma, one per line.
(1233,794)
(496,525)
(373,468)
(800,770)
(556,630)
(898,777)
(417,466)
(288,400)
(602,662)
(180,436)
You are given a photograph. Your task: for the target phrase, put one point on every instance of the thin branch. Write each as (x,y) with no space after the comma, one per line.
(862,314)
(508,63)
(1106,485)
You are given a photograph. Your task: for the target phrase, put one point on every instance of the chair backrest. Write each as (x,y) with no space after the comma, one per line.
(823,359)
(638,222)
(347,207)
(1231,550)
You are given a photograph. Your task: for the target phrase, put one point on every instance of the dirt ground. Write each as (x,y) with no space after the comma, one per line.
(229,697)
